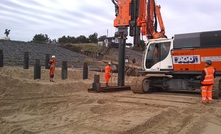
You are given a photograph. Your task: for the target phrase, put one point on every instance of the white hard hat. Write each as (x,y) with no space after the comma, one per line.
(52,56)
(109,63)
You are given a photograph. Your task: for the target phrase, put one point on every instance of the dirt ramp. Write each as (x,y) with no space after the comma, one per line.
(15,89)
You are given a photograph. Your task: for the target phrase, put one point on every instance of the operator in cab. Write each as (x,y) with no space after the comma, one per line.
(156,54)
(207,80)
(107,73)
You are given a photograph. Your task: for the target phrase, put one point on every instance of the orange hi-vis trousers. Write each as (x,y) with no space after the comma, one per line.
(107,77)
(207,94)
(52,70)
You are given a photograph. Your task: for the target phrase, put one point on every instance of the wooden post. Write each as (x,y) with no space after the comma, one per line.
(1,58)
(85,71)
(37,69)
(64,72)
(26,60)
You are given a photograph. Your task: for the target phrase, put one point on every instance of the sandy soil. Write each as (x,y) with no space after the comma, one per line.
(30,106)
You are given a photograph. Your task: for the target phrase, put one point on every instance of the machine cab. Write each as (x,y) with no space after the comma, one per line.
(157,55)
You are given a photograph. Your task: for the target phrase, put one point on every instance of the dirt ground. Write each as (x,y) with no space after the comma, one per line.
(29,106)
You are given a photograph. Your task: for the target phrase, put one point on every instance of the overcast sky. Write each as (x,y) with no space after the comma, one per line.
(56,18)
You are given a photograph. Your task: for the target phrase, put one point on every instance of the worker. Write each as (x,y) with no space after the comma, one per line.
(107,73)
(156,54)
(52,68)
(207,80)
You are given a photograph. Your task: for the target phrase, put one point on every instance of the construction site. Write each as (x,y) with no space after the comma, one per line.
(169,86)
(38,106)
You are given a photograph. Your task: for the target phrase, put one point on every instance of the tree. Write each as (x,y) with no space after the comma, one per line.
(43,38)
(81,39)
(93,38)
(63,39)
(102,38)
(71,39)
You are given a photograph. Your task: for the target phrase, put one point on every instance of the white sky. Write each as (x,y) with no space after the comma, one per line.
(56,18)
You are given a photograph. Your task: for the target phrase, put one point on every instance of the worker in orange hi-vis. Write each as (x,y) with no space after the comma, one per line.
(207,80)
(107,73)
(52,68)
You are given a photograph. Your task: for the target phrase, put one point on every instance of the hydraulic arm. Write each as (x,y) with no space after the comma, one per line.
(141,16)
(148,19)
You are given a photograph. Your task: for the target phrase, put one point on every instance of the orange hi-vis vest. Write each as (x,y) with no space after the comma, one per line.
(209,77)
(52,61)
(107,70)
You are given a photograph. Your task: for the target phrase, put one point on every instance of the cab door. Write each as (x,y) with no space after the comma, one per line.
(158,56)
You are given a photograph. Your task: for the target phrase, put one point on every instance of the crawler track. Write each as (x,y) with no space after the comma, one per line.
(136,84)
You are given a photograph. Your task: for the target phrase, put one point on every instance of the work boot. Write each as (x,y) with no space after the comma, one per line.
(51,80)
(204,101)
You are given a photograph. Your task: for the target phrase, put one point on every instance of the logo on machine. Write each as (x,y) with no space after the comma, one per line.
(188,59)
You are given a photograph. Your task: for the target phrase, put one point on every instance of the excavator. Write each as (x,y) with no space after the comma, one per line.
(168,64)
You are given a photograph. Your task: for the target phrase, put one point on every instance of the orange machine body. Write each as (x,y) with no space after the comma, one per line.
(146,17)
(194,59)
(123,18)
(191,50)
